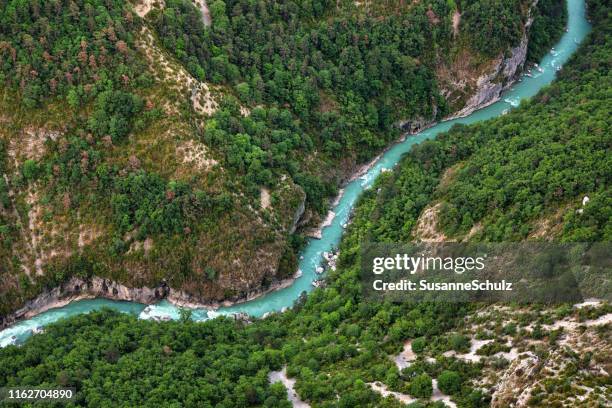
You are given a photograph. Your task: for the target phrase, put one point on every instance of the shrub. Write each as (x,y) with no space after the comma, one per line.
(420,386)
(449,382)
(418,344)
(459,342)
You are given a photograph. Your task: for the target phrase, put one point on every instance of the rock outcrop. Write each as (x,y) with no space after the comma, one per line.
(505,71)
(491,85)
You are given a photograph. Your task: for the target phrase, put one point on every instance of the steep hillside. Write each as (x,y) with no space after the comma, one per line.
(177,147)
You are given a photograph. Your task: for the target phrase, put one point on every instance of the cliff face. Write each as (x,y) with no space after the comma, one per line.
(490,85)
(498,77)
(88,288)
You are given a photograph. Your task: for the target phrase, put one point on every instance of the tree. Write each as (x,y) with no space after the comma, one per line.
(459,342)
(185,314)
(449,382)
(421,386)
(418,345)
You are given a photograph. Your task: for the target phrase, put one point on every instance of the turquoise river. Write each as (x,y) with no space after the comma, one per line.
(311,257)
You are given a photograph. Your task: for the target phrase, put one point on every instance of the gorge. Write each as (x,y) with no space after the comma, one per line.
(311,256)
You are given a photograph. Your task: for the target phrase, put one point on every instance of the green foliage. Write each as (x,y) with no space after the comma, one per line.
(511,171)
(210,272)
(30,169)
(216,364)
(253,145)
(509,329)
(185,315)
(113,114)
(459,343)
(492,348)
(56,47)
(449,382)
(336,81)
(7,228)
(492,25)
(146,201)
(418,345)
(545,29)
(421,387)
(333,341)
(325,84)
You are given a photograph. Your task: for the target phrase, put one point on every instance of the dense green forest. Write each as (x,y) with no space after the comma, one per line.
(59,48)
(338,80)
(335,343)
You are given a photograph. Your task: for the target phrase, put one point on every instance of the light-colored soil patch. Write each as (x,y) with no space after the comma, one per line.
(406,357)
(144,6)
(265,198)
(512,382)
(289,383)
(30,145)
(166,69)
(574,324)
(87,234)
(471,356)
(449,176)
(534,363)
(548,227)
(195,154)
(588,303)
(145,246)
(203,7)
(476,228)
(437,395)
(44,240)
(456,22)
(382,390)
(34,215)
(426,228)
(244,111)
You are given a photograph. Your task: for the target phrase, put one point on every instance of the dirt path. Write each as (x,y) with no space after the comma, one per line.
(289,383)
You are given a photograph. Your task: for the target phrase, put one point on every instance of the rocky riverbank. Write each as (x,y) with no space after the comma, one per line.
(90,288)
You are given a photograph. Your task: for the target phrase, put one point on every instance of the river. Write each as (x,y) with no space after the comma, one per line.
(311,256)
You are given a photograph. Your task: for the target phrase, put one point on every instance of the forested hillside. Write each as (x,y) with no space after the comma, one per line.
(522,175)
(180,145)
(346,352)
